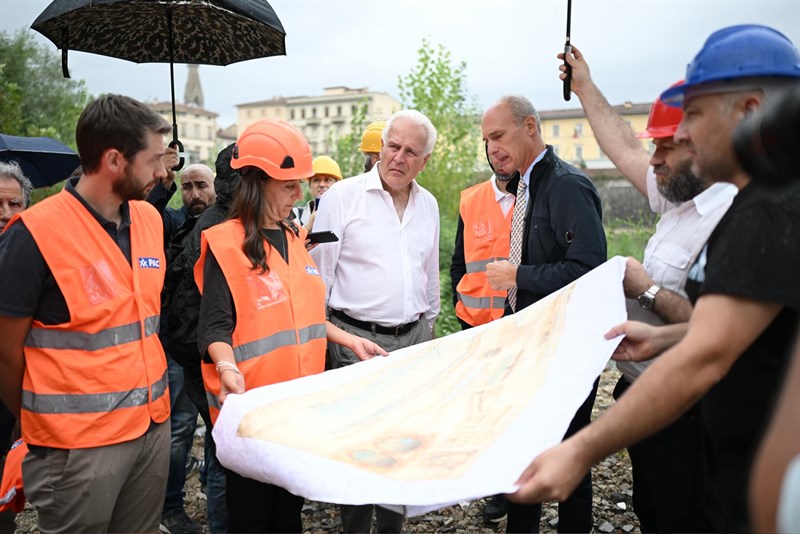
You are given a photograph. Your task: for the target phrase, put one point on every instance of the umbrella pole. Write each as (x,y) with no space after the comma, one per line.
(175,142)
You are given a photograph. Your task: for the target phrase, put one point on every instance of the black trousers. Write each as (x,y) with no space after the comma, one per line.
(575,513)
(669,482)
(255,506)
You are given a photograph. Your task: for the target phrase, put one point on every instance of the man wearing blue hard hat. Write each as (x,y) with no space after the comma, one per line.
(733,353)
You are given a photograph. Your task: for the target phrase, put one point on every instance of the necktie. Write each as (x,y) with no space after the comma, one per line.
(517,229)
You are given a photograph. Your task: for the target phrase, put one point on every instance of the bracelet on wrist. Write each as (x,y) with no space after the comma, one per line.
(224,365)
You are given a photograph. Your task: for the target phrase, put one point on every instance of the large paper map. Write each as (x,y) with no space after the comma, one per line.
(453,419)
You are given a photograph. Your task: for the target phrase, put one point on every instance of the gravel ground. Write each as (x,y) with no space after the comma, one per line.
(612,498)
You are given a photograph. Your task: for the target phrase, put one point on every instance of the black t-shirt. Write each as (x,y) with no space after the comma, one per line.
(26,282)
(753,253)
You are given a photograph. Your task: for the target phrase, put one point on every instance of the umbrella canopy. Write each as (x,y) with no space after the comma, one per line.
(44,161)
(210,32)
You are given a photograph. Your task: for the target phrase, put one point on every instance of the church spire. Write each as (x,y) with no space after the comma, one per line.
(193,94)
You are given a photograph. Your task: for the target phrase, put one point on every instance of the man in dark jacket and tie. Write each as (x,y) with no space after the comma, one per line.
(556,237)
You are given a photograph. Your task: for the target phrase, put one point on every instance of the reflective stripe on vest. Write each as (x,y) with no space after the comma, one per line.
(486,239)
(110,337)
(92,402)
(483,303)
(480,266)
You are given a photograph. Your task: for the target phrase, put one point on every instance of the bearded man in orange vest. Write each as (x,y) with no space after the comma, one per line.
(82,273)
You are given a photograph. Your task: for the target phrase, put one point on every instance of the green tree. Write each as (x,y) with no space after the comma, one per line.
(35,100)
(437,87)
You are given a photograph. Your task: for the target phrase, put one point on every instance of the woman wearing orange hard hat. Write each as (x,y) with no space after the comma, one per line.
(259,283)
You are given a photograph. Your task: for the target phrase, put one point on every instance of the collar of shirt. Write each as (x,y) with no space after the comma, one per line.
(527,176)
(498,194)
(124,209)
(714,196)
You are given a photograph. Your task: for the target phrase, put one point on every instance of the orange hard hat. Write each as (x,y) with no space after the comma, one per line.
(277,148)
(663,120)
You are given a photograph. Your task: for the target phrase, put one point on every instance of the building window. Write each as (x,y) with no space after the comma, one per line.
(303,113)
(353,110)
(326,112)
(292,114)
(338,111)
(579,152)
(197,131)
(556,132)
(314,112)
(579,129)
(555,149)
(210,133)
(249,113)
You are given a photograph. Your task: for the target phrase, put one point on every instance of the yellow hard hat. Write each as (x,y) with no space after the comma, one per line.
(325,165)
(371,140)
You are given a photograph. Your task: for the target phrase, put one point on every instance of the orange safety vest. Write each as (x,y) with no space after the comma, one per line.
(11,494)
(487,236)
(100,378)
(280,314)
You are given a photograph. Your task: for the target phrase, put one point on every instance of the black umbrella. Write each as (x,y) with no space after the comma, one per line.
(44,161)
(211,32)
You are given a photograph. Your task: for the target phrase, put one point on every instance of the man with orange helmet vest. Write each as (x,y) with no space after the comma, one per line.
(668,467)
(371,144)
(82,272)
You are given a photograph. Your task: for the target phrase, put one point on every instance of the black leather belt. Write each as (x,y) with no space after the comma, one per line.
(374,328)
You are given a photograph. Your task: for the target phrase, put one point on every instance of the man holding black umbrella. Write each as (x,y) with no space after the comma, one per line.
(82,363)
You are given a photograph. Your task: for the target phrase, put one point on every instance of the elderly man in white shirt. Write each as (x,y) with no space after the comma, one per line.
(668,467)
(382,276)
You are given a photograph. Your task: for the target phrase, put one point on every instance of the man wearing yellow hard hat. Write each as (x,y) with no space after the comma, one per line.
(371,144)
(326,173)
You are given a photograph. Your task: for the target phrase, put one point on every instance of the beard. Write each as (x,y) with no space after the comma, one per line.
(197,207)
(128,187)
(682,185)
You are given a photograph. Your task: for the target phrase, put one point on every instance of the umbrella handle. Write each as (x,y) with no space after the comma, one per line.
(568,72)
(173,144)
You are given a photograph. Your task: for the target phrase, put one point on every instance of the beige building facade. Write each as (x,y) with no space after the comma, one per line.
(322,118)
(569,132)
(197,130)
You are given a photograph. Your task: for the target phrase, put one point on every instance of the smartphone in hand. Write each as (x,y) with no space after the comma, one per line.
(322,237)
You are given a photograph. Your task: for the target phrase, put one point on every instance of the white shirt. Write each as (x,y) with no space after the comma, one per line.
(504,198)
(526,176)
(381,270)
(679,237)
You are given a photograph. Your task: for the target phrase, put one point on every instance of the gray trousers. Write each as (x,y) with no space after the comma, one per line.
(116,488)
(358,519)
(340,356)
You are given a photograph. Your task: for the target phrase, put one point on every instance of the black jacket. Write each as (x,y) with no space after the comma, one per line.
(564,237)
(182,297)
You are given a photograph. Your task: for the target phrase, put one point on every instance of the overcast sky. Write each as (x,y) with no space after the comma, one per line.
(635,48)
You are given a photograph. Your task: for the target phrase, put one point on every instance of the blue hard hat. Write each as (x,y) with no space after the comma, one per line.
(745,51)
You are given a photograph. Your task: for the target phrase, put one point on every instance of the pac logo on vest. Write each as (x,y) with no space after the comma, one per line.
(149,263)
(312,270)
